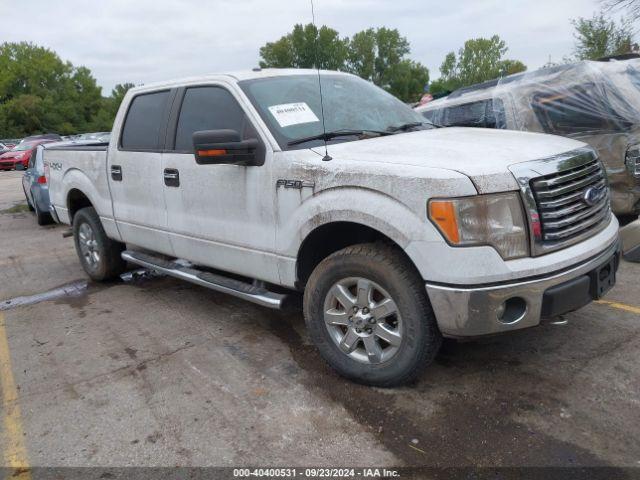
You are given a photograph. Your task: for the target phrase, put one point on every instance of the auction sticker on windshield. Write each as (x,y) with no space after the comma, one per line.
(288,114)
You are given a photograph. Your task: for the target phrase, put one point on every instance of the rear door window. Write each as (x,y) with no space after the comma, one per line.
(145,121)
(579,109)
(483,114)
(207,108)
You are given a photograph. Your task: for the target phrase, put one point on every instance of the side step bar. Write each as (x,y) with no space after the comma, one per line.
(246,291)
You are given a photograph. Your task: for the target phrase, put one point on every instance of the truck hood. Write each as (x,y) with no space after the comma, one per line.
(483,155)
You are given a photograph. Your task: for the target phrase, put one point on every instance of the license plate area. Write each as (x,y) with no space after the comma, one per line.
(603,278)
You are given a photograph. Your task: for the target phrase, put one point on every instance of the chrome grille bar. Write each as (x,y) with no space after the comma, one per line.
(566,198)
(564,178)
(571,219)
(569,187)
(579,227)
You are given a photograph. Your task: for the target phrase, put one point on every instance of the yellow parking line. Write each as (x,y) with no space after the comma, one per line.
(15,452)
(620,306)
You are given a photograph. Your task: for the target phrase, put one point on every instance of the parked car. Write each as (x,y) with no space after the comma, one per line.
(34,181)
(36,188)
(396,234)
(43,136)
(18,158)
(4,148)
(594,102)
(630,236)
(9,142)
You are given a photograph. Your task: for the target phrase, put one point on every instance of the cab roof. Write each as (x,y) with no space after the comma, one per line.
(237,76)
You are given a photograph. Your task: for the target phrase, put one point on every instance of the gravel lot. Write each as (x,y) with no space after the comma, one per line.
(162,373)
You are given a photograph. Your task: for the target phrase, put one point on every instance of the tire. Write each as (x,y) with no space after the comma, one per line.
(390,275)
(43,218)
(98,254)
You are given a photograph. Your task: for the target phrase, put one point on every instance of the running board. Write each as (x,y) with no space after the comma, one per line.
(219,283)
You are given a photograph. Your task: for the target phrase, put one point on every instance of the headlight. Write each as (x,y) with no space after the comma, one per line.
(633,160)
(496,220)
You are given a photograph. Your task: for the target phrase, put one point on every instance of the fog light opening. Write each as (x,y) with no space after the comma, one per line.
(512,310)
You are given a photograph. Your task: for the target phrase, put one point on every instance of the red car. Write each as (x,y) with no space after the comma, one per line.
(18,158)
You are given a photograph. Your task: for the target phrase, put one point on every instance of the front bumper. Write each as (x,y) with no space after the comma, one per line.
(486,310)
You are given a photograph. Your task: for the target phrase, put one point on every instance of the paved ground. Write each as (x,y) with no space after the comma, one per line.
(162,373)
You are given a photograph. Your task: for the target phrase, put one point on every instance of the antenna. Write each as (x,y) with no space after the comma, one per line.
(326,157)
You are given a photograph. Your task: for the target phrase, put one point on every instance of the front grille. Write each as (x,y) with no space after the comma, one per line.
(633,161)
(565,214)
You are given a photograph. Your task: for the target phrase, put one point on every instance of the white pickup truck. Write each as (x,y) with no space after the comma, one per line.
(400,233)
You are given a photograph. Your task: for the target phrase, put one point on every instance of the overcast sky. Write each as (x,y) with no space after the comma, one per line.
(142,41)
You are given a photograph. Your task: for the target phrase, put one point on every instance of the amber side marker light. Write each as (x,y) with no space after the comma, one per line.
(443,214)
(212,153)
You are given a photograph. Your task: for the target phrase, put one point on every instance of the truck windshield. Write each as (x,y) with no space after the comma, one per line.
(290,106)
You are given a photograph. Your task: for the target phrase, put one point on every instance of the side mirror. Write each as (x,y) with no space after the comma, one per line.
(213,147)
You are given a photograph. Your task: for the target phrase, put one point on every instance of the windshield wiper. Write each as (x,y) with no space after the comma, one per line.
(404,127)
(408,126)
(326,136)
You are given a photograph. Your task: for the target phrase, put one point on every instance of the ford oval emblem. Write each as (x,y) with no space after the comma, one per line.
(593,195)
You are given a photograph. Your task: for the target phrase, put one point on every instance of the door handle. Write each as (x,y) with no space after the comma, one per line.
(171,177)
(116,173)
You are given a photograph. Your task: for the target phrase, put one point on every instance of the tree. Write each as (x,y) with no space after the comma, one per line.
(406,80)
(631,6)
(40,93)
(305,44)
(103,120)
(480,59)
(378,55)
(117,95)
(598,37)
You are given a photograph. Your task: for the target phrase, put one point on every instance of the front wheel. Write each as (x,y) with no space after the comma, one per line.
(367,311)
(99,255)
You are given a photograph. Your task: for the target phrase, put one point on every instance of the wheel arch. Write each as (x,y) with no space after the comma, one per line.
(77,199)
(331,237)
(337,218)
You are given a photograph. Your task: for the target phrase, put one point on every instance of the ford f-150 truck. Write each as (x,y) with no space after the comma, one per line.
(396,232)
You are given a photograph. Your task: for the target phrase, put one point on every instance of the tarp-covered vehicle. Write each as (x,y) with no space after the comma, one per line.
(596,102)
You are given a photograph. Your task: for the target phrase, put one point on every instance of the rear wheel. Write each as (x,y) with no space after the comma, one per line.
(99,255)
(367,311)
(43,218)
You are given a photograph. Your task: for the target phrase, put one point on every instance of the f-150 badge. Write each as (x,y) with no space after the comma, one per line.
(297,184)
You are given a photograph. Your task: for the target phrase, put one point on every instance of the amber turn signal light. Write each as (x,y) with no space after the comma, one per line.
(212,153)
(443,214)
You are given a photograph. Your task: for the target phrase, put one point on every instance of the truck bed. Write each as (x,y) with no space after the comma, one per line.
(80,167)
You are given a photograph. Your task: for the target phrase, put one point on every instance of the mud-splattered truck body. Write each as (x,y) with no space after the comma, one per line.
(395,232)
